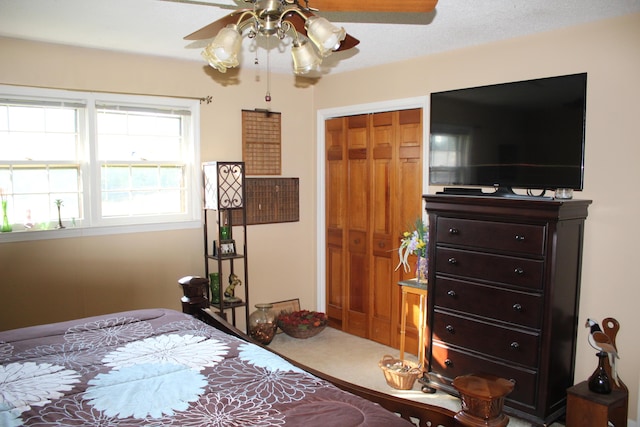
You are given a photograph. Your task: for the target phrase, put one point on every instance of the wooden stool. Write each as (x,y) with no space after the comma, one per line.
(482,400)
(588,409)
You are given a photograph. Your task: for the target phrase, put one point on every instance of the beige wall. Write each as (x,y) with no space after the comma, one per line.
(609,52)
(53,280)
(59,279)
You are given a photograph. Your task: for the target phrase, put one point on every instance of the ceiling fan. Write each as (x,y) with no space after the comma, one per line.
(314,37)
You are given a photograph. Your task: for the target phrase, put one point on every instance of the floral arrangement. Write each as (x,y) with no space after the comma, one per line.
(302,320)
(413,243)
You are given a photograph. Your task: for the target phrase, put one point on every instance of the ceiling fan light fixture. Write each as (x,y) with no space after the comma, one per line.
(305,58)
(222,52)
(326,36)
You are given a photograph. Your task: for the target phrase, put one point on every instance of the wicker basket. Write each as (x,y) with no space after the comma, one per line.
(289,321)
(301,333)
(401,379)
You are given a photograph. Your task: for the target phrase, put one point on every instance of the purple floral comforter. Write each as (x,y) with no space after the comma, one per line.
(162,368)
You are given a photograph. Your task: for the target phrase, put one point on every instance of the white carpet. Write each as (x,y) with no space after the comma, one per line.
(355,359)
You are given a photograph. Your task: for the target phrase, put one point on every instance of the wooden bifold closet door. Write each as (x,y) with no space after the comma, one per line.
(373,193)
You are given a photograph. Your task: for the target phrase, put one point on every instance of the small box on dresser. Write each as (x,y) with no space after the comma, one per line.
(504,287)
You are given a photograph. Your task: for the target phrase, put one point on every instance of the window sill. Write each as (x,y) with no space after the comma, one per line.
(34,235)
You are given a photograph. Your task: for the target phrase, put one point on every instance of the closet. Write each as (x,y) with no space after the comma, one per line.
(373,194)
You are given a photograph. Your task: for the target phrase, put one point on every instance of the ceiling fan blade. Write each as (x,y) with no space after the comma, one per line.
(297,21)
(203,3)
(212,29)
(374,5)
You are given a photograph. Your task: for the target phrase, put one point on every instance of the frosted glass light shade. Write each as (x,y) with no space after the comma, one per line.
(305,58)
(222,52)
(326,36)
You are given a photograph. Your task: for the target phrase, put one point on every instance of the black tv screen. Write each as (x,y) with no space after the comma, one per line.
(526,134)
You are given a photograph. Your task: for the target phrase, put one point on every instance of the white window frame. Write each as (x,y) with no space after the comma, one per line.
(91,167)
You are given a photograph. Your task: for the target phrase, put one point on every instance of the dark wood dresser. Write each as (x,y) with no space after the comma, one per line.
(504,288)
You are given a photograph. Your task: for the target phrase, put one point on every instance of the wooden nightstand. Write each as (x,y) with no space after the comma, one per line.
(588,409)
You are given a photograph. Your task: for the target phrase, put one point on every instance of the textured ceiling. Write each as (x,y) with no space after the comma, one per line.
(157,27)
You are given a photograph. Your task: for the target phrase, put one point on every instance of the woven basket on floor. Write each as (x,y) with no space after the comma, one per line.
(401,379)
(301,333)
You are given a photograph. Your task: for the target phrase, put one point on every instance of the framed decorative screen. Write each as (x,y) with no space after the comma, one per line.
(261,142)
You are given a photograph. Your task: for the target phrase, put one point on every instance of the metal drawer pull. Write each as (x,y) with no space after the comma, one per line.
(519,238)
(452,294)
(519,270)
(517,307)
(515,345)
(453,230)
(449,328)
(453,261)
(448,362)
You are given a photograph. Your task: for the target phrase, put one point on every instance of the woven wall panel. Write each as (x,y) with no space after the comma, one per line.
(270,200)
(261,142)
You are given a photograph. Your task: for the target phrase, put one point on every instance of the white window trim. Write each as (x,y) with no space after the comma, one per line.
(193,219)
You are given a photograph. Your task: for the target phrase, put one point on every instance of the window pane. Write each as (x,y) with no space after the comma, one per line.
(26,119)
(172,176)
(133,136)
(115,178)
(144,177)
(115,204)
(36,133)
(62,120)
(63,179)
(30,180)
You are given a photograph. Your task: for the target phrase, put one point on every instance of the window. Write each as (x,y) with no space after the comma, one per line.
(106,160)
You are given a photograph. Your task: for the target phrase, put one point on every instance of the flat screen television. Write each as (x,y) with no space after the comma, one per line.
(526,135)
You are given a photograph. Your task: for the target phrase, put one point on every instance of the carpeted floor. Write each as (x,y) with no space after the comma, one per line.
(355,359)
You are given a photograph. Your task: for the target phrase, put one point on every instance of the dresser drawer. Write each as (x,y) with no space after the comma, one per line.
(514,271)
(520,308)
(500,236)
(448,363)
(497,341)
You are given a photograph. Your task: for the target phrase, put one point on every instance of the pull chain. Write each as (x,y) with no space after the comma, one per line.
(267,96)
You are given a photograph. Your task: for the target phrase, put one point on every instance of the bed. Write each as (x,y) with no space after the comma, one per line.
(160,367)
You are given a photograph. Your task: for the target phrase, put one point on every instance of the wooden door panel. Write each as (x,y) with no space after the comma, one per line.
(335,195)
(335,285)
(381,329)
(357,300)
(335,218)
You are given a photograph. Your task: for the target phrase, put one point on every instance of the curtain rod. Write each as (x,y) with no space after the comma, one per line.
(206,99)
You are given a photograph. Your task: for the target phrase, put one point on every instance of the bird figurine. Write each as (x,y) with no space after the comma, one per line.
(601,342)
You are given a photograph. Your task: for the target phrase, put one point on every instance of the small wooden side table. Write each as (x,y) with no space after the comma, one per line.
(417,288)
(482,399)
(588,409)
